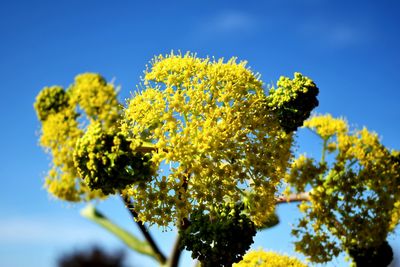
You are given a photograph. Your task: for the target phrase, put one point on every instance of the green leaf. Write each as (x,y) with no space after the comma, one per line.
(91,213)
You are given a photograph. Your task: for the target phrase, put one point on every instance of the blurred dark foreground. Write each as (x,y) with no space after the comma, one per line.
(93,257)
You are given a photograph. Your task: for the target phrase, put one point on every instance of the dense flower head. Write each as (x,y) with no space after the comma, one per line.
(96,97)
(326,126)
(382,255)
(105,160)
(353,197)
(50,100)
(64,115)
(261,212)
(213,136)
(293,100)
(260,258)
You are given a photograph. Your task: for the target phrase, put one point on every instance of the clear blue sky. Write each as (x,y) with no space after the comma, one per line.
(350,48)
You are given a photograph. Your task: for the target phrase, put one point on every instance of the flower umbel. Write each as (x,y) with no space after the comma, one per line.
(208,121)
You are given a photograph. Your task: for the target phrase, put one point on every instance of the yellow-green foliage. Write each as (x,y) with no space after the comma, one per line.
(63,124)
(268,259)
(209,123)
(353,198)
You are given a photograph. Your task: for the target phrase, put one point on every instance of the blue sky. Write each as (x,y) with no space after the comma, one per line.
(349,48)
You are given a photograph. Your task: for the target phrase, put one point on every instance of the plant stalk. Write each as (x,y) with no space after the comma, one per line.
(160,256)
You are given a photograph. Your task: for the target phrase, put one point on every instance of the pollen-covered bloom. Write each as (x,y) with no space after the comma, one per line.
(214,138)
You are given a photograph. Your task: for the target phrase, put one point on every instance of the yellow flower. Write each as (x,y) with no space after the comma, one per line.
(268,259)
(326,126)
(96,98)
(63,126)
(355,196)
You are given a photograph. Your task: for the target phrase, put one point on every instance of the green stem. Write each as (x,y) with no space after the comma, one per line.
(150,241)
(324,148)
(299,197)
(177,249)
(183,224)
(176,253)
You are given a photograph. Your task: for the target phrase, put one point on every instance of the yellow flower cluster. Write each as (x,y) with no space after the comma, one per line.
(96,98)
(59,134)
(213,136)
(395,216)
(326,126)
(302,170)
(268,259)
(57,110)
(353,200)
(206,125)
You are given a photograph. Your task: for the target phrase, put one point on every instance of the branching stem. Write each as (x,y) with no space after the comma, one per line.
(304,196)
(176,253)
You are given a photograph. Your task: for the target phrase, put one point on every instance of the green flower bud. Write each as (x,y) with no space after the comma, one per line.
(50,100)
(218,239)
(105,161)
(293,101)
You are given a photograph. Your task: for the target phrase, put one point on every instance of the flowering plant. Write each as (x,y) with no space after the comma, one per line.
(204,147)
